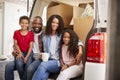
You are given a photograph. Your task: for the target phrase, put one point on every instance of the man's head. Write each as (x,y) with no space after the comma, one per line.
(37,24)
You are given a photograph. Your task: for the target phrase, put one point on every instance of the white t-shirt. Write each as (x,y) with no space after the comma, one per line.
(36,44)
(53,47)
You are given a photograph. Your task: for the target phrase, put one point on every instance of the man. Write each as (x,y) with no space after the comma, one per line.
(37,49)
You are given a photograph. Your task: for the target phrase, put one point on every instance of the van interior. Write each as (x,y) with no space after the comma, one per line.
(77,15)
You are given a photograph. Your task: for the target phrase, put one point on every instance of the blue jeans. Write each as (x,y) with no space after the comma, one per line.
(32,68)
(9,70)
(45,68)
(21,67)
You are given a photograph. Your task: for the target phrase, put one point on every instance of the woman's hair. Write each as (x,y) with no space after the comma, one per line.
(73,47)
(48,29)
(24,17)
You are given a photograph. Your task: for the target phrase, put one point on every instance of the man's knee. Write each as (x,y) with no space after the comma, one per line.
(10,66)
(30,69)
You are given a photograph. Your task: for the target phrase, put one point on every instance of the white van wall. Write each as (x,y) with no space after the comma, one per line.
(1,15)
(12,12)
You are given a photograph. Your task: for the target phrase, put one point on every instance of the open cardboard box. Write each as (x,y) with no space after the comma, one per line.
(82,26)
(64,10)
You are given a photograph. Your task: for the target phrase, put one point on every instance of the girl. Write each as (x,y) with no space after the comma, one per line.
(70,56)
(23,42)
(51,46)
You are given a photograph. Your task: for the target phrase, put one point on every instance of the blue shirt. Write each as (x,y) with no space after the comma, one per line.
(46,44)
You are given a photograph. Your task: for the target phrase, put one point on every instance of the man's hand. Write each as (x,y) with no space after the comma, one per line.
(15,53)
(19,56)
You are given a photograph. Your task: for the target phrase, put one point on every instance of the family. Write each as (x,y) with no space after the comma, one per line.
(62,45)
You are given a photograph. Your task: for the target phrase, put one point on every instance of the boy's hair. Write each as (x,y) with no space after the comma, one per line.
(24,17)
(73,47)
(48,29)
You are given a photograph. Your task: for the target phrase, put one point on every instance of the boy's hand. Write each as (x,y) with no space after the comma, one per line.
(25,60)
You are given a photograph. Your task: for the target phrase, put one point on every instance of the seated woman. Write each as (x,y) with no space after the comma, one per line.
(51,46)
(70,56)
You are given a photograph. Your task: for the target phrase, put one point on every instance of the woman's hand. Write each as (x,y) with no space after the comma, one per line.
(78,58)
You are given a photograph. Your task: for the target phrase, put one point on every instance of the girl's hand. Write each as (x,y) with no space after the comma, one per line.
(25,60)
(19,56)
(64,67)
(40,55)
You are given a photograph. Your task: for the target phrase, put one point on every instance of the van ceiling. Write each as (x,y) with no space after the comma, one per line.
(40,4)
(71,2)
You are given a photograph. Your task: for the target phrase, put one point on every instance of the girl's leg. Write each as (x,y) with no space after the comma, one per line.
(70,72)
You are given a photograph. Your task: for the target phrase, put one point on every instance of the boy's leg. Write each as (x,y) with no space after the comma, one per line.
(29,61)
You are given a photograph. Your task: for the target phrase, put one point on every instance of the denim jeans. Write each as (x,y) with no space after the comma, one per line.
(9,70)
(32,68)
(21,67)
(45,68)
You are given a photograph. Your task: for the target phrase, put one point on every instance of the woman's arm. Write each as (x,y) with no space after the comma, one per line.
(79,56)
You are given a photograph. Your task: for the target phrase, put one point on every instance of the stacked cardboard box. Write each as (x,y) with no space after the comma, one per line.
(82,26)
(72,13)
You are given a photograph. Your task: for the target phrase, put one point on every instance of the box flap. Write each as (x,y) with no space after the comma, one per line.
(53,4)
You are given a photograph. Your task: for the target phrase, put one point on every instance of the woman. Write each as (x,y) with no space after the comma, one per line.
(51,41)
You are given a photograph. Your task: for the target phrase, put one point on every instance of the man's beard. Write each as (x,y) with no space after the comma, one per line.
(37,30)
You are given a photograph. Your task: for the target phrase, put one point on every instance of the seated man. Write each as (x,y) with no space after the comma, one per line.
(37,49)
(9,69)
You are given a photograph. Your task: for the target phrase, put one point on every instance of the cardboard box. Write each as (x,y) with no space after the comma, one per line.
(82,26)
(64,10)
(77,11)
